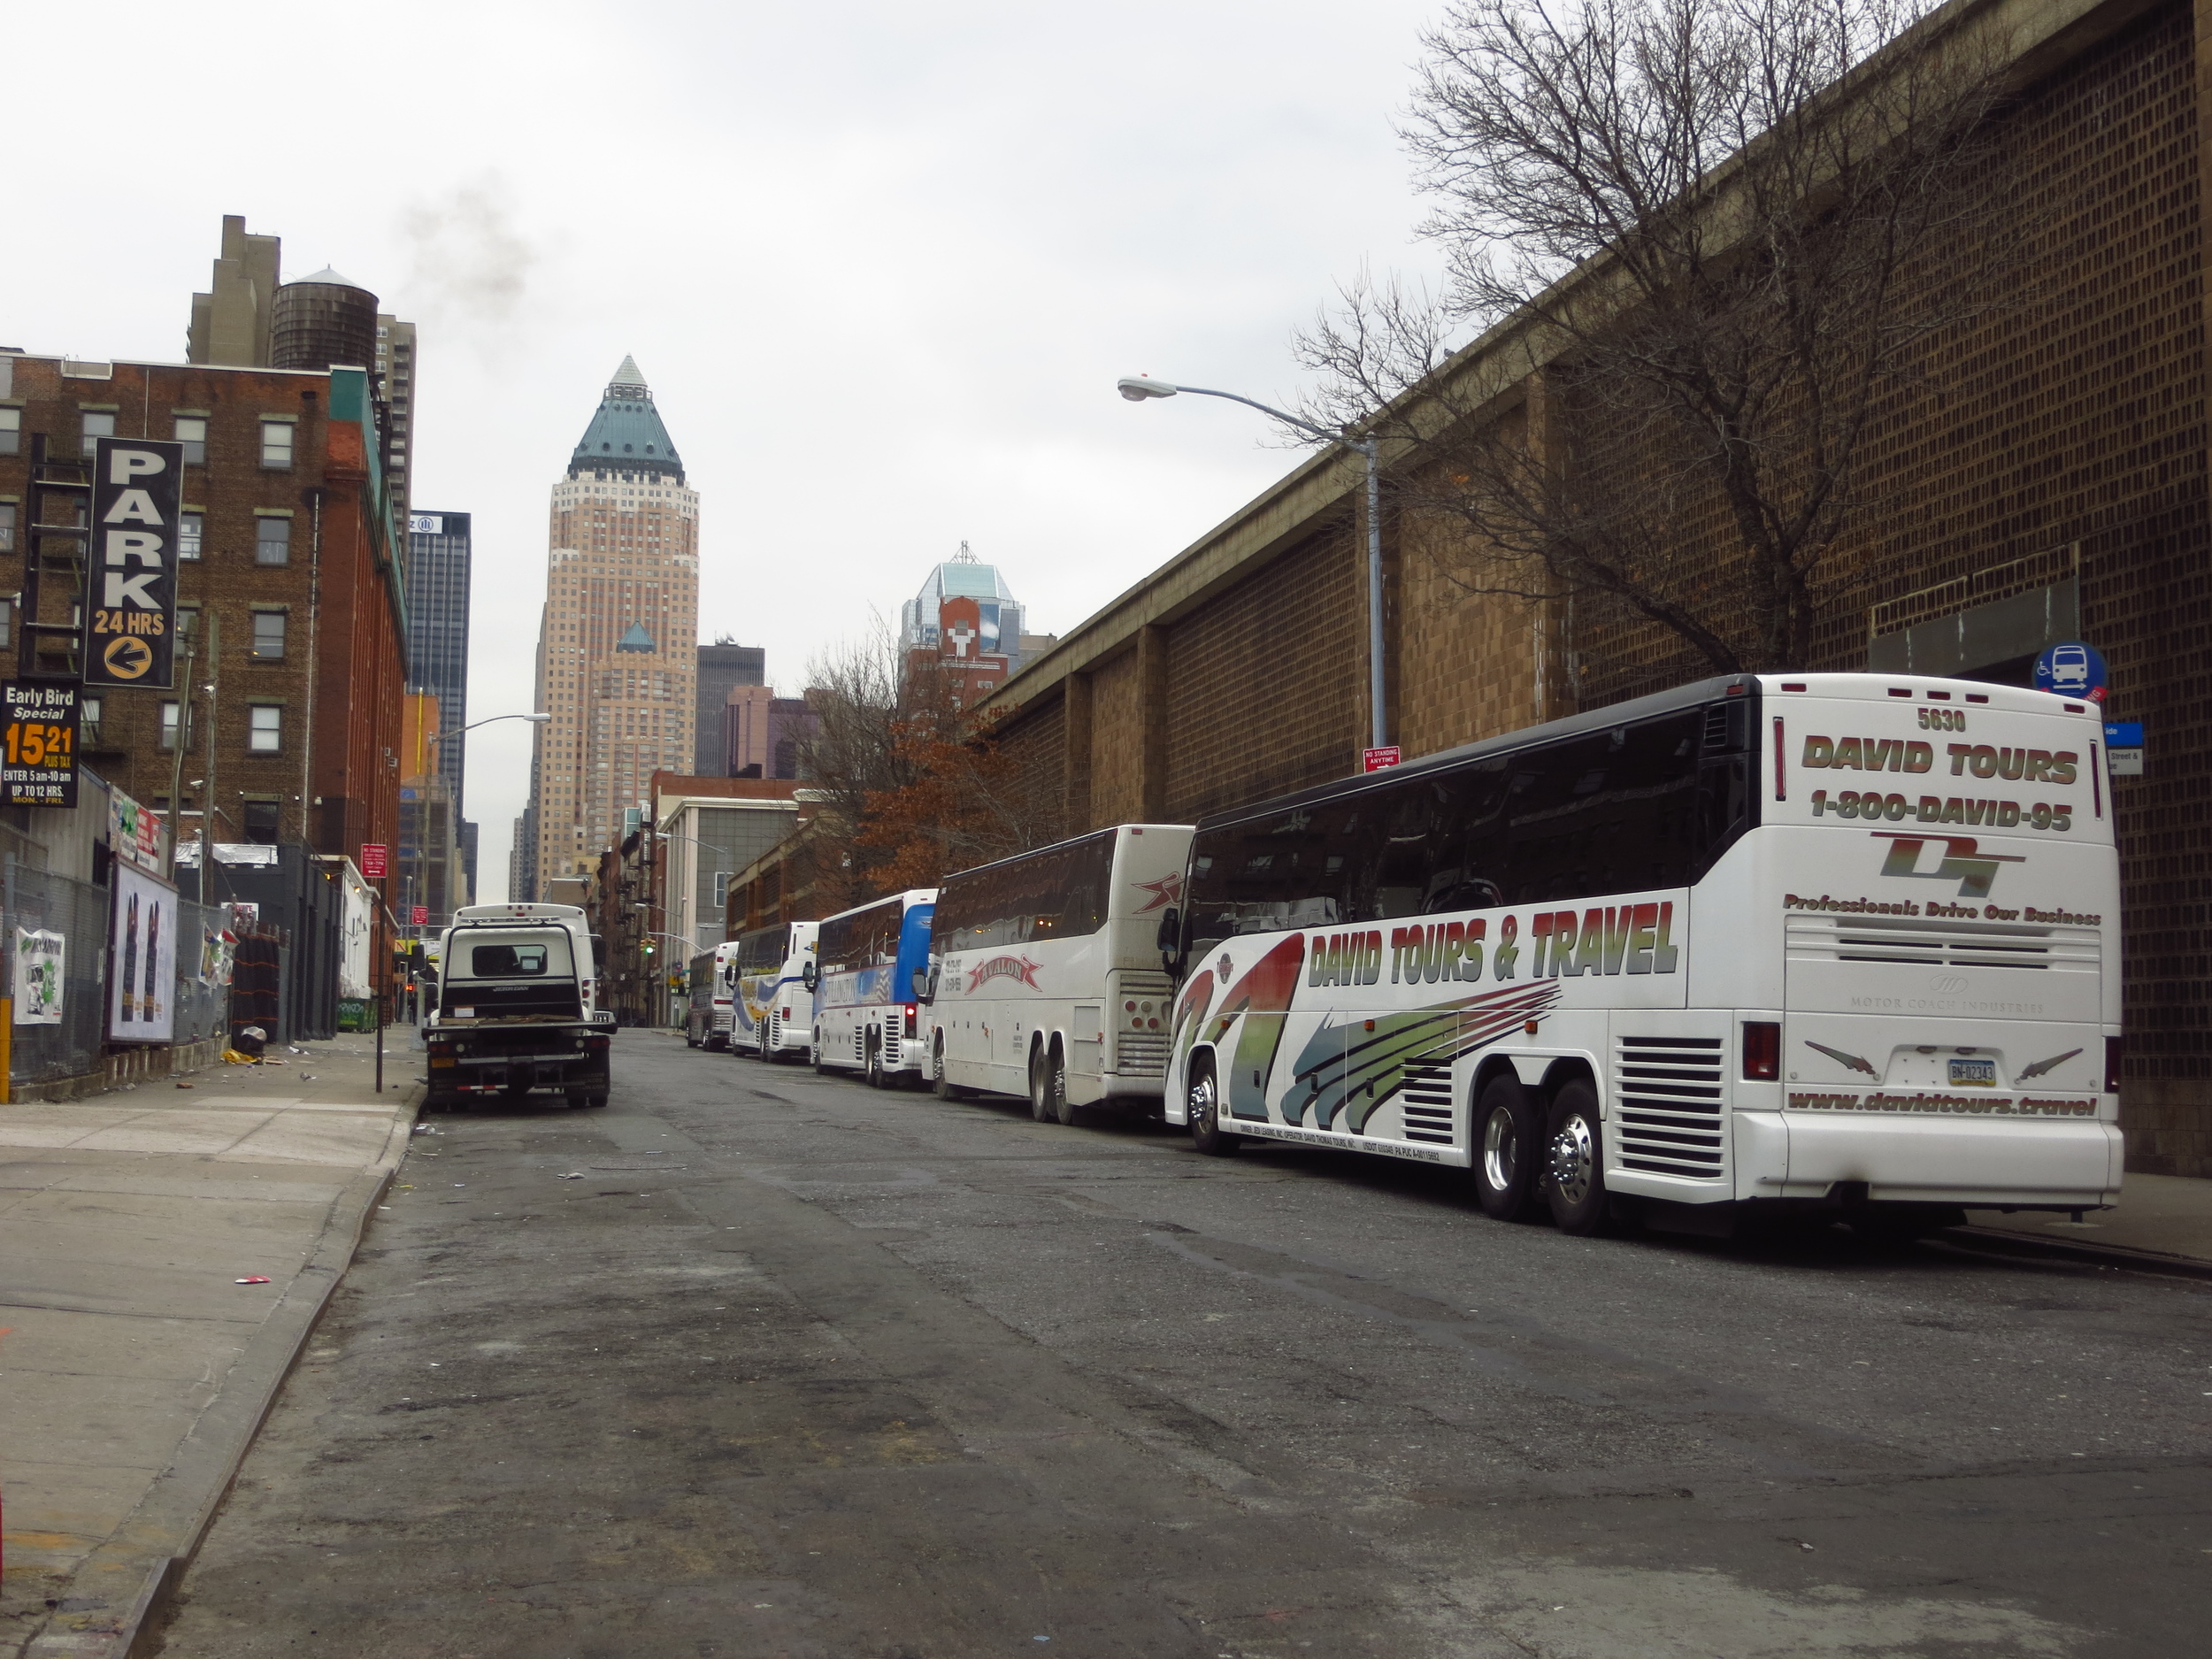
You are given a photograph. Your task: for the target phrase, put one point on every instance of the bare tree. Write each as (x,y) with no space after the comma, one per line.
(1719,235)
(913,795)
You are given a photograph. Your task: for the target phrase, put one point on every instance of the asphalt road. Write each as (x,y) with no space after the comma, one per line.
(801,1369)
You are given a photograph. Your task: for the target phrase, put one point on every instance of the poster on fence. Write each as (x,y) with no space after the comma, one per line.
(219,948)
(143,960)
(39,960)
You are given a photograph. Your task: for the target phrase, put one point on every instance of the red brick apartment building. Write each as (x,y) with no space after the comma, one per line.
(289,591)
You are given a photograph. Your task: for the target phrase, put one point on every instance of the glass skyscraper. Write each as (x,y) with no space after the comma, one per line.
(438,561)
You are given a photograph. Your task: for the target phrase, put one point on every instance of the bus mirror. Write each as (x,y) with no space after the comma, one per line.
(1170,938)
(924,985)
(598,951)
(809,976)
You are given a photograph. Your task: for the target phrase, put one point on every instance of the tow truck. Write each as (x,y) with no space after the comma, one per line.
(515,1011)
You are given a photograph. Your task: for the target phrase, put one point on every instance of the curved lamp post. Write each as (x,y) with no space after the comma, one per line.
(1143,388)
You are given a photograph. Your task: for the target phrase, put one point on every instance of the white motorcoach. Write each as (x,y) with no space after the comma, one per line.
(708,1019)
(775,1012)
(1845,940)
(865,1013)
(1045,972)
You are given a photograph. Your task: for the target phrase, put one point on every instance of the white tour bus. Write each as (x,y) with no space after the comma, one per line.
(1045,972)
(775,1012)
(1842,943)
(713,984)
(865,1013)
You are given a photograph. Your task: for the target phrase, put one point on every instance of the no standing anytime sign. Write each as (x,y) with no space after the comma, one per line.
(130,610)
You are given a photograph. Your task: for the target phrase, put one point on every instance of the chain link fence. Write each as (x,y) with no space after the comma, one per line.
(41,902)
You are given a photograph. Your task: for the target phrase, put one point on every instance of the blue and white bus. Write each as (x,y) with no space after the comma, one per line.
(773,1014)
(863,971)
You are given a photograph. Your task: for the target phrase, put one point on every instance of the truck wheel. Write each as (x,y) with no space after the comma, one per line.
(1202,1104)
(1574,1162)
(597,1100)
(1507,1150)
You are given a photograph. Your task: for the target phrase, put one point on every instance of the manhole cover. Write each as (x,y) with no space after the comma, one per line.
(632,1163)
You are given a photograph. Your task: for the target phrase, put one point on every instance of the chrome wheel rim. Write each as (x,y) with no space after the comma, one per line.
(1501,1151)
(1199,1107)
(1573,1160)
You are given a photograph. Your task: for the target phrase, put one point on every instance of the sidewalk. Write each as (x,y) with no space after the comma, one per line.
(2162,1221)
(135,1370)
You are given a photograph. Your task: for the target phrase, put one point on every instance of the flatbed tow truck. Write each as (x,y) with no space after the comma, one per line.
(515,1012)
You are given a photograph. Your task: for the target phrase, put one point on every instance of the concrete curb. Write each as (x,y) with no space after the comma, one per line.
(120,1594)
(1991,1241)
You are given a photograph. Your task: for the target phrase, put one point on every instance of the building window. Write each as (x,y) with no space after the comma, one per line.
(272,540)
(191,431)
(268,636)
(96,425)
(10,431)
(7,623)
(261,817)
(169,725)
(190,526)
(7,523)
(266,734)
(88,720)
(276,445)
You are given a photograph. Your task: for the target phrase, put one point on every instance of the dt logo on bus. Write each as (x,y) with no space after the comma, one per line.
(1972,869)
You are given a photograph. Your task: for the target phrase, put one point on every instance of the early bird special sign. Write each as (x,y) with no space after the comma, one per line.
(38,742)
(130,613)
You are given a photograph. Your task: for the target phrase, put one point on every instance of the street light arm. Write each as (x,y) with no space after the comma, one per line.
(1287,418)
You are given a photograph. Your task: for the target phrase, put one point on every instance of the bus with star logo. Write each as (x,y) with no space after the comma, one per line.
(1821,947)
(1044,978)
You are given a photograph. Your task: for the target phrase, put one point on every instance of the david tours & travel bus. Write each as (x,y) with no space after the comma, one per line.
(1846,944)
(773,1014)
(713,984)
(1045,972)
(863,977)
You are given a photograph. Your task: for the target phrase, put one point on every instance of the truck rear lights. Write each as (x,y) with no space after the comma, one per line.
(437,1060)
(912,1010)
(2114,1049)
(1762,1051)
(597,1045)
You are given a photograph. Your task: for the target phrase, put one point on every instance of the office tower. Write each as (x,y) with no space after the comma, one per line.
(438,566)
(965,624)
(617,647)
(395,366)
(723,666)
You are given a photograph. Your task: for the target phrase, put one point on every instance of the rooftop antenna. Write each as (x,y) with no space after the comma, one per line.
(963,557)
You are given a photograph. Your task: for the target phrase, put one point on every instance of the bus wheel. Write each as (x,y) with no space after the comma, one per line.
(1056,1087)
(1574,1171)
(1506,1145)
(876,1078)
(1040,1108)
(1204,1105)
(939,1085)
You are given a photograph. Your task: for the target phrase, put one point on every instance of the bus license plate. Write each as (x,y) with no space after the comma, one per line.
(1973,1074)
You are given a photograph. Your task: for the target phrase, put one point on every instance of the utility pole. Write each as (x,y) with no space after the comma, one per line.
(214,688)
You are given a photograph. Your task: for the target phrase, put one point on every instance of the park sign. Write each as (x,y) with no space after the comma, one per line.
(130,605)
(38,742)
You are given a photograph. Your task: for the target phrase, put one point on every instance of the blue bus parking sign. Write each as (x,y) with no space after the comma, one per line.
(2073,669)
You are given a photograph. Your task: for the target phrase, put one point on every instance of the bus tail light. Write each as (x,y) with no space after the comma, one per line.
(909,1018)
(1762,1051)
(2114,1049)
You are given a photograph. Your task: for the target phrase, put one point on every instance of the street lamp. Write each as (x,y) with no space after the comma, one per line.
(1142,390)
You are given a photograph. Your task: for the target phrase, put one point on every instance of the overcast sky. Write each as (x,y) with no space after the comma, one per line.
(881,263)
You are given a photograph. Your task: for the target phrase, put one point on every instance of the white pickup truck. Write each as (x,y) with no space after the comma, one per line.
(515,1009)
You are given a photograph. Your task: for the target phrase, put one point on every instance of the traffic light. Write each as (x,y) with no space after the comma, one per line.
(649,947)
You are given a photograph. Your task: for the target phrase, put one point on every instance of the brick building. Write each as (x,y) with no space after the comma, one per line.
(290,600)
(2047,478)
